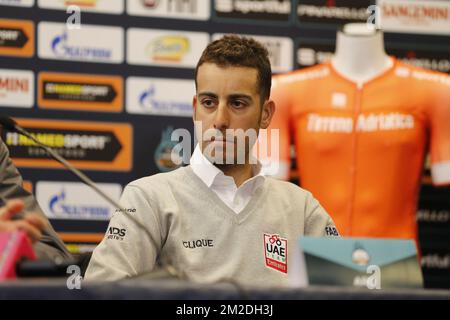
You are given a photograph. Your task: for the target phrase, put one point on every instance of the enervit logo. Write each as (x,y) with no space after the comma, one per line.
(309,53)
(102,6)
(80,92)
(87,145)
(101,44)
(280,51)
(155,96)
(164,47)
(415,16)
(16,38)
(268,10)
(333,11)
(73,200)
(16,88)
(17,3)
(433,59)
(184,9)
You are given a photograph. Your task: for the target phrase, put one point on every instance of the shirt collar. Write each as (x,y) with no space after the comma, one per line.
(203,168)
(210,174)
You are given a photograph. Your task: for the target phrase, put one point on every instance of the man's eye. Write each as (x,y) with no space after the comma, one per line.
(208,103)
(238,104)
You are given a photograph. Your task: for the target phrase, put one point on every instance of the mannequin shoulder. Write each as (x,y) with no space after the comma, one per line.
(302,75)
(422,75)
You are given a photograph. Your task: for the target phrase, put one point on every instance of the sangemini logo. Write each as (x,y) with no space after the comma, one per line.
(14,84)
(16,88)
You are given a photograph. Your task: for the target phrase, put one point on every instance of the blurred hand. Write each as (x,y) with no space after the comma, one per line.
(32,224)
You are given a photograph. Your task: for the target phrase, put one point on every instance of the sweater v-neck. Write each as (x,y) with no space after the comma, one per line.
(208,195)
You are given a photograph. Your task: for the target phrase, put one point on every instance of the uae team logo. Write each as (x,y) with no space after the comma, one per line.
(275,252)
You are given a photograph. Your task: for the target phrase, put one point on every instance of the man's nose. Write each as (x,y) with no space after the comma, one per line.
(222,117)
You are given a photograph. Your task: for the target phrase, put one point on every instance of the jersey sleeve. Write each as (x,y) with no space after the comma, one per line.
(129,248)
(440,132)
(274,144)
(318,222)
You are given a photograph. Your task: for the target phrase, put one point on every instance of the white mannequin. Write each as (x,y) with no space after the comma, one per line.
(360,55)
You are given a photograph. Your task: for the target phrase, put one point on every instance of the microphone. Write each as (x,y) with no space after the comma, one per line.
(11,125)
(8,123)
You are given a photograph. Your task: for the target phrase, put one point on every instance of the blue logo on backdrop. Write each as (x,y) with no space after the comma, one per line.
(148,101)
(59,208)
(61,48)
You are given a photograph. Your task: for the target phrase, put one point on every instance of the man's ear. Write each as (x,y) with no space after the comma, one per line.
(268,110)
(194,105)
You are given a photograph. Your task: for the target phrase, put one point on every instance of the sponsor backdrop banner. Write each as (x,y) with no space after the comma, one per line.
(86,92)
(87,145)
(16,38)
(106,83)
(74,200)
(102,6)
(16,88)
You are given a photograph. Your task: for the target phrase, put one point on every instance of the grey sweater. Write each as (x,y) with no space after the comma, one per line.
(190,228)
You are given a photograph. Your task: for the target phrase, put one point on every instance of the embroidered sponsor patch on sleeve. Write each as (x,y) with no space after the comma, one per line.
(331,231)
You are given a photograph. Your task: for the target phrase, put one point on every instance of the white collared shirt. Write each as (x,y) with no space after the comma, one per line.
(224,186)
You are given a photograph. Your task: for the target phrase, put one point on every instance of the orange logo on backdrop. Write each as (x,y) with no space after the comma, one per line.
(80,92)
(16,38)
(87,145)
(81,3)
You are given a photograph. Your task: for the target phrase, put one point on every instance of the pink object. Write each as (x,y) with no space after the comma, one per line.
(13,247)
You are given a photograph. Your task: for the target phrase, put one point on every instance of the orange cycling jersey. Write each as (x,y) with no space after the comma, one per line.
(360,150)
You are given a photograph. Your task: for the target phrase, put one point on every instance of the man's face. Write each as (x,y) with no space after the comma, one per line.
(229,98)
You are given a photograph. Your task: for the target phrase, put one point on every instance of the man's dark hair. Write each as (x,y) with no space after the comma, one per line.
(235,51)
